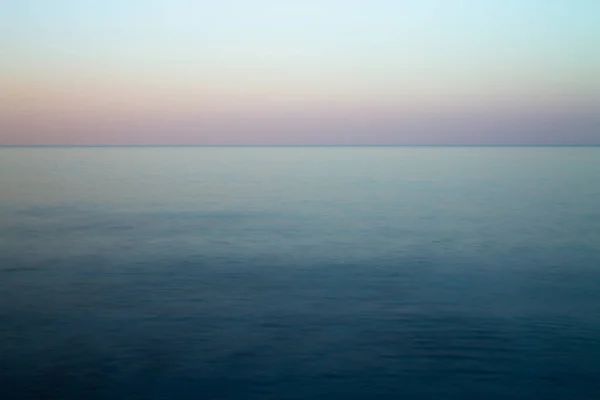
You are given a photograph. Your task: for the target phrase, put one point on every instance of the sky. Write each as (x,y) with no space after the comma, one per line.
(299,72)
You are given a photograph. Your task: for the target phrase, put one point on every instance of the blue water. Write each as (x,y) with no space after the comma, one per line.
(300,273)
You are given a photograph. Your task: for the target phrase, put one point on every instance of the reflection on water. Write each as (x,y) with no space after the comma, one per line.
(300,273)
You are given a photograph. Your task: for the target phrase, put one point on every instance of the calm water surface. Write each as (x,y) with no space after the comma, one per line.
(299,273)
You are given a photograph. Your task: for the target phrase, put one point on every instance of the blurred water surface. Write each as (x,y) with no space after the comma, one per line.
(300,273)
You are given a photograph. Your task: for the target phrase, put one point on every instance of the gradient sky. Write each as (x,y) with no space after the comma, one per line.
(214,72)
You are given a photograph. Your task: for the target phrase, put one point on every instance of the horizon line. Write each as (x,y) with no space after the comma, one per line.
(285,145)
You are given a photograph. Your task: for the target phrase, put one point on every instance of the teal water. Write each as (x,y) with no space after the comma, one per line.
(300,273)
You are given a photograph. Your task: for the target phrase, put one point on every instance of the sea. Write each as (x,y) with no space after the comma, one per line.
(293,273)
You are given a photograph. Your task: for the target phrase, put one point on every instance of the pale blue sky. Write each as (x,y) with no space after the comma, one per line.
(224,48)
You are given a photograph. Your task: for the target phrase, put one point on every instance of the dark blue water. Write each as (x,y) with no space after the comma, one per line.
(300,273)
